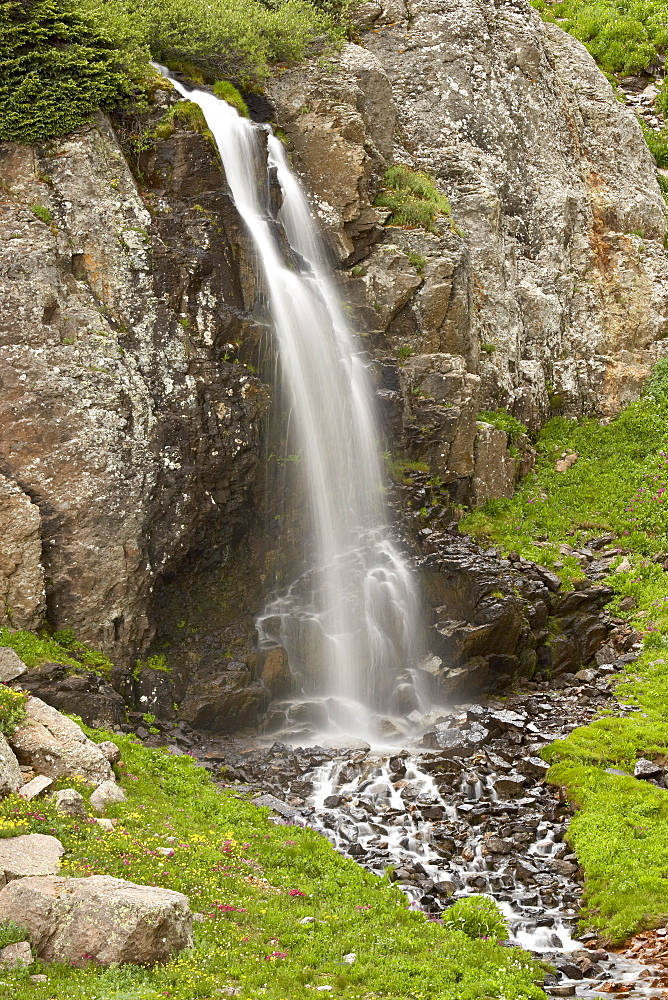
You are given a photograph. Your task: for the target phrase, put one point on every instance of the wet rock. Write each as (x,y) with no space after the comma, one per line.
(101,919)
(509,786)
(533,767)
(275,672)
(342,744)
(497,845)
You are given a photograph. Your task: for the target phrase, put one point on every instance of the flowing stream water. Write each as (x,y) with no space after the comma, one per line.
(358,597)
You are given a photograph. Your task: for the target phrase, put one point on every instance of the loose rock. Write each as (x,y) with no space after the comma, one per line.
(101,919)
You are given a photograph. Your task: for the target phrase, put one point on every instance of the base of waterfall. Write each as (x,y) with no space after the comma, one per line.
(467,814)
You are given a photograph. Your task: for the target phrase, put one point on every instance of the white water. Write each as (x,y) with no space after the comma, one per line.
(358,603)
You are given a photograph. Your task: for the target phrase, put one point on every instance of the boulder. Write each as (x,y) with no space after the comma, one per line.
(69,802)
(646,769)
(13,955)
(509,786)
(100,919)
(11,665)
(35,787)
(106,794)
(10,773)
(110,751)
(29,854)
(57,747)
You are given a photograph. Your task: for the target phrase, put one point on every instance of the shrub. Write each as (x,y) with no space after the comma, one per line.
(58,63)
(60,60)
(477,917)
(229,93)
(624,36)
(412,197)
(12,709)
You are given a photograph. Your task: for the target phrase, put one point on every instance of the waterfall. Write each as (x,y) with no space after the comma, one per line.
(358,604)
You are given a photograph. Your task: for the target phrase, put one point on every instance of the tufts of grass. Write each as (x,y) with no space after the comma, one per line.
(255,882)
(62,647)
(504,422)
(229,93)
(413,198)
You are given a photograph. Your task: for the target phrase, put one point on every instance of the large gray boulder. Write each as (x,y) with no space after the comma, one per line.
(55,746)
(101,919)
(29,854)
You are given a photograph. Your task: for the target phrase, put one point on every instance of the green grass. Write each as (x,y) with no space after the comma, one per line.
(57,648)
(619,485)
(413,198)
(255,882)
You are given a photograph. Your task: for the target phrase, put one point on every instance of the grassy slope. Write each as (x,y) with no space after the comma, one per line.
(255,882)
(617,486)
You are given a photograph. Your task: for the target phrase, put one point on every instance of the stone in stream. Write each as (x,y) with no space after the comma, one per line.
(509,786)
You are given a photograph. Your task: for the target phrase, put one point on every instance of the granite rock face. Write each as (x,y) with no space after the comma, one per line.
(551,288)
(128,437)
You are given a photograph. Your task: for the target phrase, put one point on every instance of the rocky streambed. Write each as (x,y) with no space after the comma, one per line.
(464,810)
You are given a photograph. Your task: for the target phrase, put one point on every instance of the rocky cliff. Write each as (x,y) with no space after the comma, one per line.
(550,292)
(131,422)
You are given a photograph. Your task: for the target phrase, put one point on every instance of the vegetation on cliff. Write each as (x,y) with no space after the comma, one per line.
(618,485)
(624,36)
(60,60)
(282,914)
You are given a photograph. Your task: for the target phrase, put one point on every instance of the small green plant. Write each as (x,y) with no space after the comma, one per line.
(12,709)
(227,92)
(157,662)
(477,917)
(405,351)
(504,422)
(488,348)
(413,198)
(42,213)
(11,933)
(417,261)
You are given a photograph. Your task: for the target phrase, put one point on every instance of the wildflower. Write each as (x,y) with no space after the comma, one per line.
(296,892)
(275,954)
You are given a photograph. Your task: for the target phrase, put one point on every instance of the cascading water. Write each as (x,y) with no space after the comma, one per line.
(359,597)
